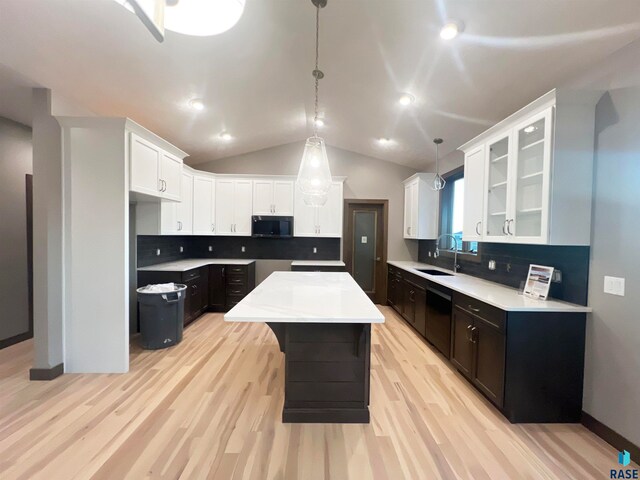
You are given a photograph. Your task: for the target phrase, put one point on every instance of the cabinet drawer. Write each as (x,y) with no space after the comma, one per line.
(235,279)
(492,316)
(190,275)
(231,269)
(234,289)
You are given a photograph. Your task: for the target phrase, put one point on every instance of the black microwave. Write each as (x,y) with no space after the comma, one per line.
(271,226)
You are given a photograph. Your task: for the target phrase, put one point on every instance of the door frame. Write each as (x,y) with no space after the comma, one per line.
(348,241)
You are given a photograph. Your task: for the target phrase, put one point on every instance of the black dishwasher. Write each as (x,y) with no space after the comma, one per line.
(438,318)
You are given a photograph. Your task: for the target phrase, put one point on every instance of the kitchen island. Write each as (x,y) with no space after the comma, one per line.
(322,321)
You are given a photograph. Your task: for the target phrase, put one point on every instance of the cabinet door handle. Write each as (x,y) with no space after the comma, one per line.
(165,185)
(474,338)
(504,227)
(159,184)
(477,225)
(468,332)
(476,310)
(509,222)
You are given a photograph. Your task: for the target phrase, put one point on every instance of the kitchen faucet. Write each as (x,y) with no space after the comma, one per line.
(436,254)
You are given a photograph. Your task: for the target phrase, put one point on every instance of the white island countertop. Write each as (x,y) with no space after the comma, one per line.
(185,265)
(500,296)
(306,297)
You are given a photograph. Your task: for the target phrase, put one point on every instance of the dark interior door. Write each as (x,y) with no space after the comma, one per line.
(365,248)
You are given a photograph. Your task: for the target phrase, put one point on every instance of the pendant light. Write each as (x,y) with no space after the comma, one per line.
(314,176)
(438,181)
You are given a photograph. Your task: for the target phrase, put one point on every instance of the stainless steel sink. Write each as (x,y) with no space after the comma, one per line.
(435,272)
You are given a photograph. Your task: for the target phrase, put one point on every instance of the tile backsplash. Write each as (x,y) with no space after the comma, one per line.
(512,265)
(296,248)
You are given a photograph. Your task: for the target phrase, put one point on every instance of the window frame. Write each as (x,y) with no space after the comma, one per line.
(446,202)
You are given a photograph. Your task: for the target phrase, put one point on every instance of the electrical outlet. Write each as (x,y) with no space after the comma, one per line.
(556,277)
(181,249)
(243,249)
(614,286)
(210,248)
(492,264)
(158,252)
(429,253)
(315,250)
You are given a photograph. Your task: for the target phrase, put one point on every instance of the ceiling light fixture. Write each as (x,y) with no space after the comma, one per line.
(384,141)
(226,136)
(406,99)
(438,181)
(451,30)
(319,122)
(314,176)
(196,104)
(202,18)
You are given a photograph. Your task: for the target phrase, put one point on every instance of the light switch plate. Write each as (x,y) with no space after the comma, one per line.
(492,264)
(363,239)
(315,250)
(614,286)
(181,249)
(158,252)
(243,249)
(210,248)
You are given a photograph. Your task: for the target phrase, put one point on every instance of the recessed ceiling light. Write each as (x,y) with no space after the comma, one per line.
(384,141)
(196,104)
(530,129)
(406,99)
(451,30)
(226,136)
(319,123)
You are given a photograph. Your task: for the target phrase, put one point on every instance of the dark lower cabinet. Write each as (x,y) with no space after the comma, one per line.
(462,348)
(217,288)
(530,365)
(414,305)
(214,288)
(478,352)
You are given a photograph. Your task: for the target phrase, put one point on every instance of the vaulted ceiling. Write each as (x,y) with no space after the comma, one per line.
(255,80)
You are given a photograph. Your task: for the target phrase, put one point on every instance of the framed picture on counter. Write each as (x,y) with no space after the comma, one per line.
(538,282)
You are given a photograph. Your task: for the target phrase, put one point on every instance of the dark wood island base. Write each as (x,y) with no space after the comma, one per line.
(327,369)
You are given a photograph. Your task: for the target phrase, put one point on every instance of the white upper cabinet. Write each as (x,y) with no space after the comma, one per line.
(184,215)
(538,173)
(421,207)
(154,172)
(171,176)
(204,201)
(325,221)
(473,213)
(234,206)
(273,197)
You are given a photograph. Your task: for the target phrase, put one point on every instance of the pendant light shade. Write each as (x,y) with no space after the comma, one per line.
(314,176)
(438,181)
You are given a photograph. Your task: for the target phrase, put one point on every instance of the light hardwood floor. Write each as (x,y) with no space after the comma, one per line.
(211,406)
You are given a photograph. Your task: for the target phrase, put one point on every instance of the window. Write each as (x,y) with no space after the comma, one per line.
(451,213)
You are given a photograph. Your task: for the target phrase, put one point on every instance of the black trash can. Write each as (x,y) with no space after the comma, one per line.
(161,317)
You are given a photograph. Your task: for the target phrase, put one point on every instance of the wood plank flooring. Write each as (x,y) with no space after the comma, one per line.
(211,408)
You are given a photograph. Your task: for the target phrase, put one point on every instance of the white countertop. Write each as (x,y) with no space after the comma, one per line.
(500,296)
(317,263)
(184,265)
(306,297)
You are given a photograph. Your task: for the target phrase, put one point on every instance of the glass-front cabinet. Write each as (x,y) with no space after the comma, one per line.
(528,221)
(498,168)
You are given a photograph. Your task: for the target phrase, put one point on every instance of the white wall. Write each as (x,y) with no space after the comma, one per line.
(367,178)
(47,234)
(96,207)
(16,161)
(612,370)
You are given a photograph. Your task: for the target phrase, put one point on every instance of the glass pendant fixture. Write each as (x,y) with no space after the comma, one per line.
(314,176)
(438,181)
